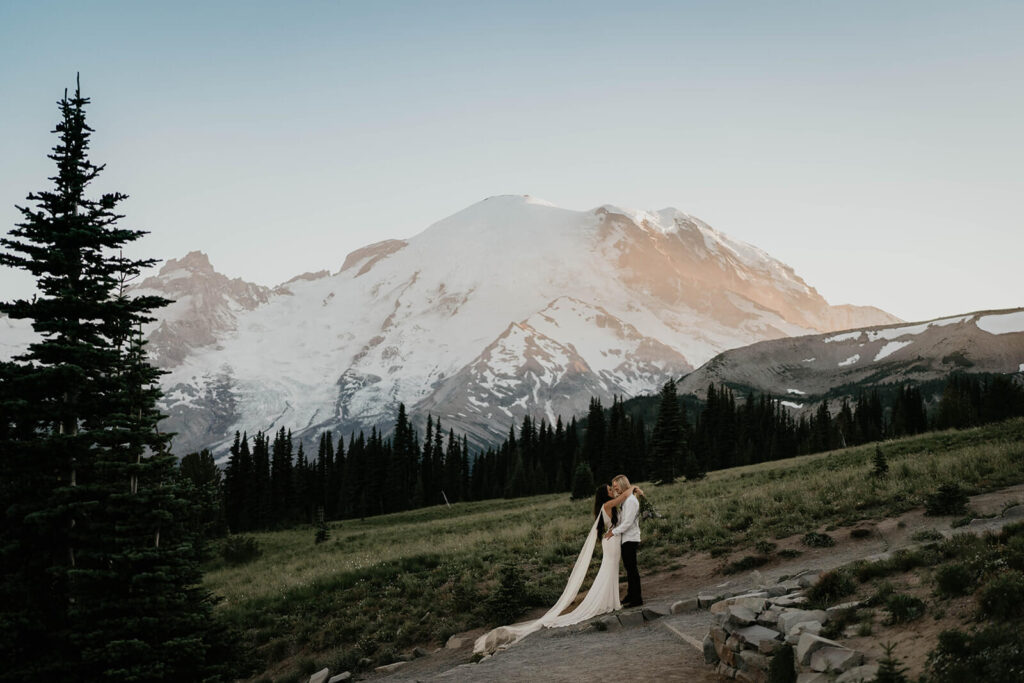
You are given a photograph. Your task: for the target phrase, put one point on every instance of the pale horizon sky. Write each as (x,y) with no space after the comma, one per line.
(874,147)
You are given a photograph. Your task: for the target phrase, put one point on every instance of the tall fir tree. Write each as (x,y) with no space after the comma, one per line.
(98,572)
(666,439)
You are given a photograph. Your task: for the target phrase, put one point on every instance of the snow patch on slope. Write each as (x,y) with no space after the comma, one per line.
(1003,323)
(891,348)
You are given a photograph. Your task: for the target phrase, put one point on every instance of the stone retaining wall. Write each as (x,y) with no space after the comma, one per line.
(751,629)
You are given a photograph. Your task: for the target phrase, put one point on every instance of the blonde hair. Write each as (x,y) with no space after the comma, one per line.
(622,480)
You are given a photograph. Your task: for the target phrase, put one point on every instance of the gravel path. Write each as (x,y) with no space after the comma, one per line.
(668,649)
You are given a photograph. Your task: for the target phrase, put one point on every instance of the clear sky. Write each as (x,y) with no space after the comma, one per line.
(876,147)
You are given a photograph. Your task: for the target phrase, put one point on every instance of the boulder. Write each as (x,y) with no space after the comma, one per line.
(341,678)
(725,670)
(320,676)
(789,600)
(389,668)
(804,627)
(835,659)
(854,604)
(754,635)
(654,612)
(776,590)
(719,636)
(710,654)
(808,580)
(705,600)
(611,623)
(859,674)
(752,601)
(419,652)
(752,661)
(737,616)
(769,647)
(813,677)
(631,619)
(752,676)
(456,642)
(687,605)
(791,617)
(809,644)
(1013,512)
(769,617)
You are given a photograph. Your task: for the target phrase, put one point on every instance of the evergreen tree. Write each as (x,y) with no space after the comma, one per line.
(201,481)
(595,445)
(582,482)
(237,476)
(666,439)
(403,466)
(260,502)
(281,502)
(98,572)
(880,467)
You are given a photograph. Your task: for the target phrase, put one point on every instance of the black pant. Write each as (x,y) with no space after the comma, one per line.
(632,573)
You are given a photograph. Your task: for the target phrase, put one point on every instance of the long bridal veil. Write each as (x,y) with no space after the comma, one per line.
(503,636)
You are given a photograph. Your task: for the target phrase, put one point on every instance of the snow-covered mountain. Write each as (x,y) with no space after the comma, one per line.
(510,307)
(803,370)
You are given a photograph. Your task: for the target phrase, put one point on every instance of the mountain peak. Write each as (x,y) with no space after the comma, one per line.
(194,261)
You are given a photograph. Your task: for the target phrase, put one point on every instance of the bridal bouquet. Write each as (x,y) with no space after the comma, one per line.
(647,510)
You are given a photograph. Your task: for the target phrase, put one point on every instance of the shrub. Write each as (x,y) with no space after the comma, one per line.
(815,540)
(860,532)
(1014,553)
(747,562)
(883,592)
(790,553)
(831,587)
(954,579)
(948,500)
(880,467)
(994,655)
(926,535)
(765,547)
(511,598)
(1002,596)
(322,532)
(740,524)
(904,608)
(238,550)
(783,666)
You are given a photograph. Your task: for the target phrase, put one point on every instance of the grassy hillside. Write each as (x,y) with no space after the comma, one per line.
(381,586)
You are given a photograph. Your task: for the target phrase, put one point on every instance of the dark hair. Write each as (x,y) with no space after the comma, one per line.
(600,498)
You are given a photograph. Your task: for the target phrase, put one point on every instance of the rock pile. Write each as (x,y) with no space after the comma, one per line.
(752,629)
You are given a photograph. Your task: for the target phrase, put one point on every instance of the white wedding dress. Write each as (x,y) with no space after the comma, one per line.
(603,596)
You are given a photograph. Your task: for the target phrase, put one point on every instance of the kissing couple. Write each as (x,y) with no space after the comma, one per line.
(620,538)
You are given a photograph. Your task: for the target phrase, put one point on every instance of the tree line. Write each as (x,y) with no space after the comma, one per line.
(272,483)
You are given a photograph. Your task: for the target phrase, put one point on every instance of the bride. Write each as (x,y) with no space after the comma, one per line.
(603,595)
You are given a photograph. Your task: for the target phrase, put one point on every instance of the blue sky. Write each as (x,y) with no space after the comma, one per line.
(875,147)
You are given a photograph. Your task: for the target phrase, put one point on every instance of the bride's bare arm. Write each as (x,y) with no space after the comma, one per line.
(618,500)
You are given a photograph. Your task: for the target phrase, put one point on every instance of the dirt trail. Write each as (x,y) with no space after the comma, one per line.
(667,649)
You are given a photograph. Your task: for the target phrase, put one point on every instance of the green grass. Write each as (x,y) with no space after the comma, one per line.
(380,586)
